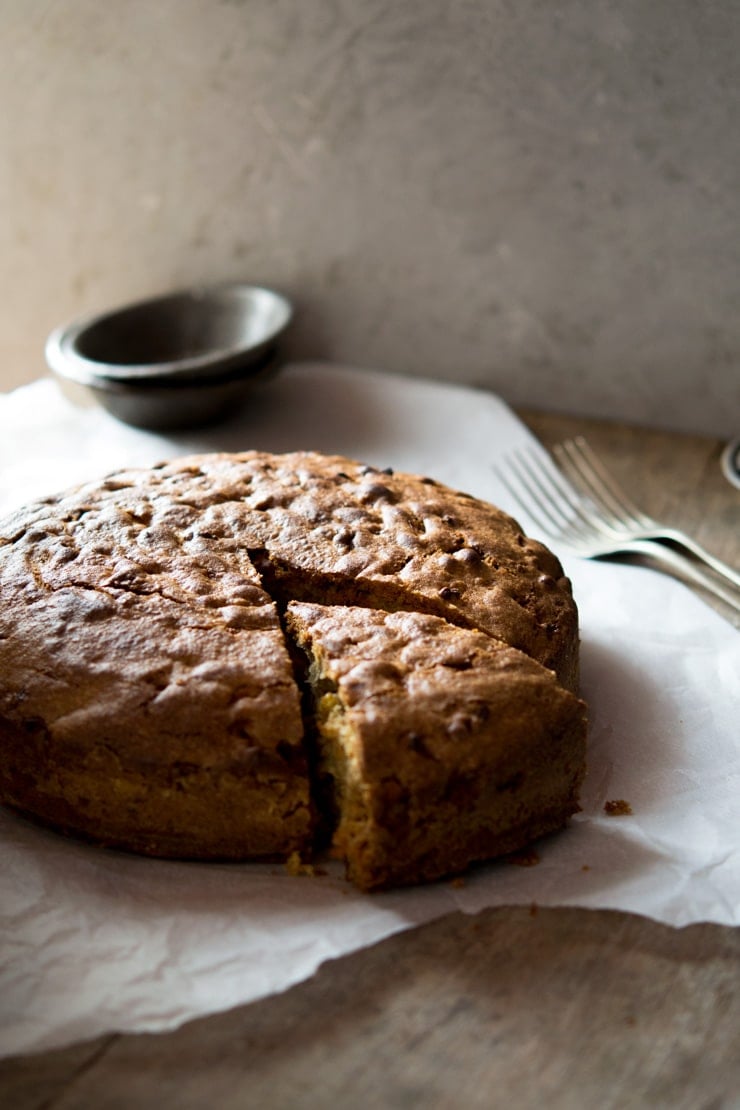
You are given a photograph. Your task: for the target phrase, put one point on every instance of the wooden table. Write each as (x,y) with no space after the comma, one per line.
(515,1007)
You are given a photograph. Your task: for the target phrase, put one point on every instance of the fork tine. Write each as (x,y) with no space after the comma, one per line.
(600,521)
(586,469)
(515,478)
(540,489)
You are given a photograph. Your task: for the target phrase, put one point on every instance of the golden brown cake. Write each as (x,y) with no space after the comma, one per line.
(148,698)
(440,745)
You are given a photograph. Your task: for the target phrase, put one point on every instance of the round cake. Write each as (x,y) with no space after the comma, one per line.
(244,656)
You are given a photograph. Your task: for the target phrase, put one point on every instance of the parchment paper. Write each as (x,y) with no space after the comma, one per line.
(94,941)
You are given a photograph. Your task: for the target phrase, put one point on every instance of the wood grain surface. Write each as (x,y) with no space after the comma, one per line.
(515,1007)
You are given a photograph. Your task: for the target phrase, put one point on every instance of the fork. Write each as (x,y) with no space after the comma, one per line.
(580,506)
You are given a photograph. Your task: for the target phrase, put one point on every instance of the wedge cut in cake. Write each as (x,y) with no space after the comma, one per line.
(326,528)
(437,746)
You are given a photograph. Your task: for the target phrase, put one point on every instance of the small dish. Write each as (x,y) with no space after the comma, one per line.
(175,361)
(731,463)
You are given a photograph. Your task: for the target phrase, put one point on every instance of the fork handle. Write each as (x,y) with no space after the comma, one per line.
(695,549)
(684,567)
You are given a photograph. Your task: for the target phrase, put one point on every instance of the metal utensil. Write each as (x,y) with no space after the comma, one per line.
(585,470)
(594,519)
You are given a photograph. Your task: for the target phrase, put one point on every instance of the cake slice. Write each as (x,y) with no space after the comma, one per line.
(438,746)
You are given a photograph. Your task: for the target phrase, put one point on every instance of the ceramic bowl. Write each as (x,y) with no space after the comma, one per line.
(175,361)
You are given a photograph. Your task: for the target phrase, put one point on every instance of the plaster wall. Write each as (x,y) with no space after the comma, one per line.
(541,198)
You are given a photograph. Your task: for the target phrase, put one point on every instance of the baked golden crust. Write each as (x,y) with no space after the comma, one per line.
(147,697)
(444,746)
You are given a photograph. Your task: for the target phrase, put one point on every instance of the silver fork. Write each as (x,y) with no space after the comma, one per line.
(580,506)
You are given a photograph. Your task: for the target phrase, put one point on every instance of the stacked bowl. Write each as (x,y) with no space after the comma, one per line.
(176,361)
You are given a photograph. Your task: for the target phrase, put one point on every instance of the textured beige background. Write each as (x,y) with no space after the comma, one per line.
(541,197)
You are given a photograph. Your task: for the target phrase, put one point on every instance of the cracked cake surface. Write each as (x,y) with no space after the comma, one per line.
(148,694)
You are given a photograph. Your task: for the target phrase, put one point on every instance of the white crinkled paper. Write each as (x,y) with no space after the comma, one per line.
(94,941)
